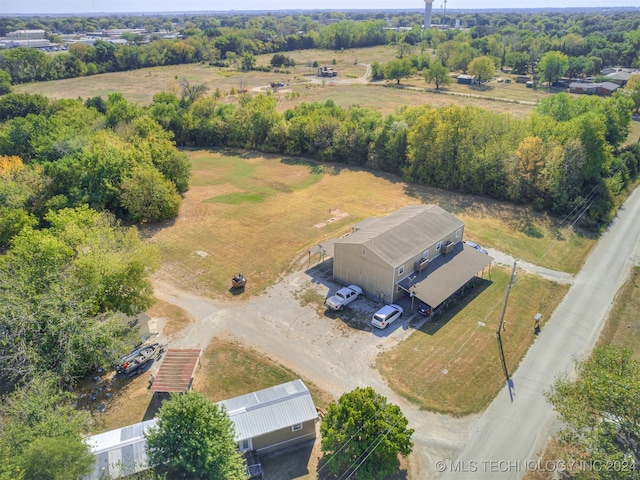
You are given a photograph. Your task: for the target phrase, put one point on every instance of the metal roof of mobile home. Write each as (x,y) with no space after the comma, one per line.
(120,452)
(271,409)
(123,451)
(404,234)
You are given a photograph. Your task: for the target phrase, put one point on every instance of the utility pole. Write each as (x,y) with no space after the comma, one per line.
(501,327)
(444,15)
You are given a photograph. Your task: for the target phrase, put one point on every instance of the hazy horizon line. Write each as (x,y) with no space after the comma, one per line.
(234,11)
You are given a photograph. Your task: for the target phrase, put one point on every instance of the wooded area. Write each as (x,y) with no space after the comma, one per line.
(515,40)
(73,173)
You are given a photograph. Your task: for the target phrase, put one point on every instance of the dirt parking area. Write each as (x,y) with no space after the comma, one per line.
(336,351)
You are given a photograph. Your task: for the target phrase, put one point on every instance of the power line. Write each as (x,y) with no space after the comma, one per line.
(580,209)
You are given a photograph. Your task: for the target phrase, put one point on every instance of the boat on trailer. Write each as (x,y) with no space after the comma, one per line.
(132,363)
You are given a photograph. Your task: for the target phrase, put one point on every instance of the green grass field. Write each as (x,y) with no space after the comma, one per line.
(451,364)
(230,369)
(623,325)
(255,213)
(221,217)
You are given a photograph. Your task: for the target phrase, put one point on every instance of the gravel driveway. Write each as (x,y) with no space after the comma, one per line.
(336,352)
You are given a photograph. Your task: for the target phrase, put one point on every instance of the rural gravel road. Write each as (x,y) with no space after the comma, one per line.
(338,358)
(505,441)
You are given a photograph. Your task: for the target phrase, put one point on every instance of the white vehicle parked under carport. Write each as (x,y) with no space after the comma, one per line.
(386,315)
(343,297)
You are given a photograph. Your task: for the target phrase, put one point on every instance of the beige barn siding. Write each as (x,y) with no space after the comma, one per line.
(373,274)
(367,271)
(284,438)
(409,266)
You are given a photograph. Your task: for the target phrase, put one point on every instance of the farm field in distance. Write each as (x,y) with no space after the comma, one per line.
(139,86)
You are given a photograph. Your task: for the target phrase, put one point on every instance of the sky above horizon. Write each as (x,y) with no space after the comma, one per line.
(8,7)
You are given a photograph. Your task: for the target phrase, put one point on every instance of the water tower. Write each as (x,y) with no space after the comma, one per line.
(428,5)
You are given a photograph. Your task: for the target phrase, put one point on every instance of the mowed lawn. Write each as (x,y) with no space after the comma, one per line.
(258,214)
(452,363)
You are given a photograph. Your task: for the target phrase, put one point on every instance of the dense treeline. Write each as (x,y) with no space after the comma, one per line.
(69,155)
(67,172)
(566,152)
(70,271)
(516,40)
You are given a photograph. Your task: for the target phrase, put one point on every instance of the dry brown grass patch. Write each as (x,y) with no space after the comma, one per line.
(230,369)
(177,319)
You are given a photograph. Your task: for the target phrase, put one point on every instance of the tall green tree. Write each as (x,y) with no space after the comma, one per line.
(194,439)
(5,82)
(60,288)
(363,434)
(148,196)
(633,89)
(438,74)
(49,458)
(15,105)
(248,61)
(398,69)
(41,433)
(24,64)
(601,412)
(552,66)
(518,61)
(482,68)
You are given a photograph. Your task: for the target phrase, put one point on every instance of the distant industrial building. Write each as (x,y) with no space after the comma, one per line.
(25,38)
(26,35)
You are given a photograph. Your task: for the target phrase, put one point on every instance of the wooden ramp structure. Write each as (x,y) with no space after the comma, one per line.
(177,371)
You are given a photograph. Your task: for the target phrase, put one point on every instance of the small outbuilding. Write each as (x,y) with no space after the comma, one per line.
(273,419)
(327,72)
(177,371)
(607,88)
(466,79)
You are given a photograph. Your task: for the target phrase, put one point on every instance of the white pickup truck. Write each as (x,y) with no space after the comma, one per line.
(343,297)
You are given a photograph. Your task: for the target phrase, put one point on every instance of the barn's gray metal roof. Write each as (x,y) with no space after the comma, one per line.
(271,409)
(610,86)
(120,452)
(405,233)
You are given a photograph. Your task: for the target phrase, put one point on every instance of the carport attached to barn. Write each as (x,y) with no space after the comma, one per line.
(445,275)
